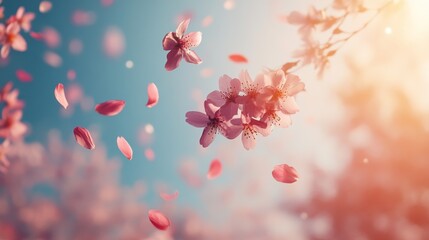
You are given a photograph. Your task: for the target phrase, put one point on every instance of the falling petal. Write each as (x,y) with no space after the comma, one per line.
(51,37)
(153,95)
(83,18)
(83,138)
(215,169)
(159,220)
(207,21)
(71,75)
(23,76)
(285,173)
(60,95)
(124,147)
(110,108)
(169,197)
(113,42)
(149,154)
(36,35)
(238,58)
(75,46)
(45,6)
(107,3)
(53,59)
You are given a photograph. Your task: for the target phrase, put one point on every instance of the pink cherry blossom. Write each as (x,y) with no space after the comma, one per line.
(282,90)
(307,21)
(22,18)
(180,46)
(153,95)
(11,125)
(249,129)
(10,38)
(251,100)
(226,97)
(211,121)
(10,97)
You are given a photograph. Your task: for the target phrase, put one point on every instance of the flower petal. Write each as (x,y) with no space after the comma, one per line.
(173,59)
(45,6)
(216,98)
(215,169)
(285,174)
(208,136)
(181,29)
(60,95)
(193,39)
(153,95)
(192,57)
(289,105)
(158,220)
(237,58)
(248,139)
(169,197)
(197,119)
(19,43)
(23,76)
(124,147)
(110,108)
(83,137)
(169,41)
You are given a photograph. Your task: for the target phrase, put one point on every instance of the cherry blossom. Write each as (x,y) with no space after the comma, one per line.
(180,46)
(226,97)
(250,128)
(11,125)
(211,121)
(10,38)
(23,19)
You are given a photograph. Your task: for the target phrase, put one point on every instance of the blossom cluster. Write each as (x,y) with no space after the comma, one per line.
(10,31)
(248,107)
(11,127)
(332,22)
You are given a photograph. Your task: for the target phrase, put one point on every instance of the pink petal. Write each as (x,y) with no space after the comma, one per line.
(83,137)
(153,95)
(207,21)
(216,97)
(19,43)
(159,220)
(60,95)
(197,119)
(53,59)
(285,174)
(51,37)
(173,59)
(149,154)
(110,108)
(23,76)
(248,139)
(107,3)
(82,18)
(37,36)
(169,42)
(191,57)
(169,197)
(208,136)
(124,147)
(238,58)
(113,42)
(181,29)
(75,46)
(45,6)
(5,51)
(215,169)
(192,39)
(289,105)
